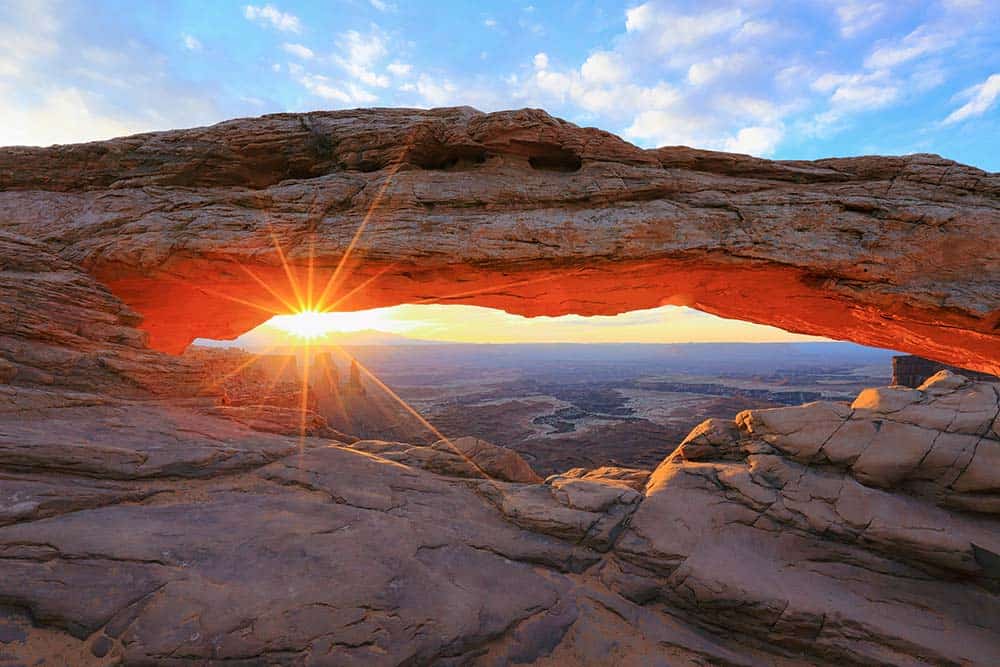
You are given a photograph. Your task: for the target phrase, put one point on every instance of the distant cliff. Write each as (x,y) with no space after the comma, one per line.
(912,371)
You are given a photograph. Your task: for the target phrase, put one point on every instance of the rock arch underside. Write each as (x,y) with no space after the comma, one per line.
(144,520)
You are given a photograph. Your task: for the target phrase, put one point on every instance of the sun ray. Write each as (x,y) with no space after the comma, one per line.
(344,297)
(335,391)
(309,273)
(273,292)
(272,381)
(214,292)
(406,406)
(292,281)
(494,288)
(376,201)
(254,357)
(333,281)
(305,396)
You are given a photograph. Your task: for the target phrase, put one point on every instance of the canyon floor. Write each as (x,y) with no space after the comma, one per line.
(562,406)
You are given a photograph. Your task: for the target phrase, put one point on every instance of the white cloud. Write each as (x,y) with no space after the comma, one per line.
(399,69)
(757,109)
(541,61)
(191,43)
(858,92)
(436,93)
(269,14)
(361,53)
(382,5)
(672,128)
(61,116)
(29,32)
(707,71)
(299,51)
(667,31)
(322,86)
(863,97)
(920,42)
(490,23)
(856,16)
(983,97)
(639,18)
(755,140)
(661,127)
(755,30)
(604,67)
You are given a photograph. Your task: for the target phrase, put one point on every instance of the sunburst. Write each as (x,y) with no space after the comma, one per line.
(306,315)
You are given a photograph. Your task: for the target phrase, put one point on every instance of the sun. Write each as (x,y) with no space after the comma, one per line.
(305,324)
(310,325)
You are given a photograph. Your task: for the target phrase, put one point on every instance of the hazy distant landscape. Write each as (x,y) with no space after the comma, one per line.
(565,405)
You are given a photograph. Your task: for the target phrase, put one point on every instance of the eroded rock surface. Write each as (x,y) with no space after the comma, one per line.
(457,457)
(862,533)
(520,211)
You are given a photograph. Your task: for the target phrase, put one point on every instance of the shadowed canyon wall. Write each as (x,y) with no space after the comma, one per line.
(514,210)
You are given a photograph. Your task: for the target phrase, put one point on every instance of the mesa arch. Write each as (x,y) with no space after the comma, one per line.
(515,210)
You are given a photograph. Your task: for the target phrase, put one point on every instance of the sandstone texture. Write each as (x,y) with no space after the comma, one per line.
(140,524)
(516,210)
(458,457)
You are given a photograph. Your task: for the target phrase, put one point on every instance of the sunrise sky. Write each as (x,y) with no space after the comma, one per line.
(472,324)
(775,79)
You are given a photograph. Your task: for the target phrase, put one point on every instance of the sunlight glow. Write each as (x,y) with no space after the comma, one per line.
(306,324)
(312,325)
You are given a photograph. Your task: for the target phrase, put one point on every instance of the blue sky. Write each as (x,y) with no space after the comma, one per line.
(783,80)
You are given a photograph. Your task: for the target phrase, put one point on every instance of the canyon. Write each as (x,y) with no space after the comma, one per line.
(152,516)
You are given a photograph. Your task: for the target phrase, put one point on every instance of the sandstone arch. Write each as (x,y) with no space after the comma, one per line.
(520,211)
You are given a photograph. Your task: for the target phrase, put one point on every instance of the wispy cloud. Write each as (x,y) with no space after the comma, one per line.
(298,51)
(323,87)
(399,69)
(191,43)
(922,41)
(982,98)
(272,16)
(857,16)
(361,52)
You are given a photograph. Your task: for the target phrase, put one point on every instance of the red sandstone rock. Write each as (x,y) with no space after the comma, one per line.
(520,211)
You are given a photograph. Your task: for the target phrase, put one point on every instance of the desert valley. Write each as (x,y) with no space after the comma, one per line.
(558,406)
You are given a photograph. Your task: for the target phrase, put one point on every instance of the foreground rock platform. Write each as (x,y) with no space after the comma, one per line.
(820,534)
(515,210)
